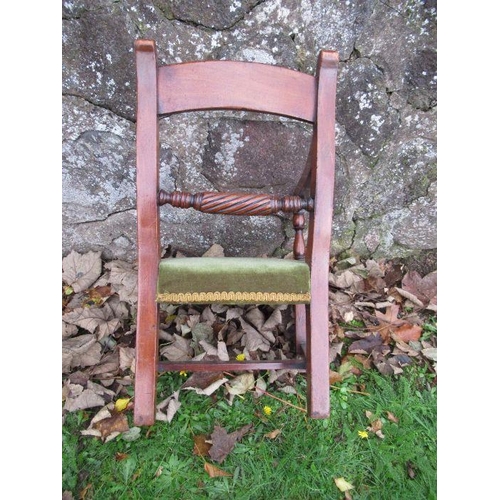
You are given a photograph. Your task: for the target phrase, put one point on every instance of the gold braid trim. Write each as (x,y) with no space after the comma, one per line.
(243,297)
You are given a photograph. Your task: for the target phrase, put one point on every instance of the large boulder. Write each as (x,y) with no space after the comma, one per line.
(385,202)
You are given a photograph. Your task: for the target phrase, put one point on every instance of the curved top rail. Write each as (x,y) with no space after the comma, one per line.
(236,85)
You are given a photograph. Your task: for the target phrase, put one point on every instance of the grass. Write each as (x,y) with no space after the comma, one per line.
(300,463)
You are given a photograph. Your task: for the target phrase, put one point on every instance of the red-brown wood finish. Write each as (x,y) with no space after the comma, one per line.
(320,226)
(231,366)
(235,203)
(147,234)
(236,85)
(252,87)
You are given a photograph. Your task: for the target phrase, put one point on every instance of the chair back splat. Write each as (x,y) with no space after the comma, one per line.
(303,281)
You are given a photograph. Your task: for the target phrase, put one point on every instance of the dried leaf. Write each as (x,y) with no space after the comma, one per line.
(407,332)
(179,350)
(205,383)
(214,471)
(273,434)
(100,320)
(407,295)
(83,350)
(425,289)
(214,251)
(127,358)
(123,278)
(172,405)
(273,321)
(430,353)
(410,469)
(241,384)
(87,399)
(342,484)
(115,424)
(256,317)
(222,353)
(366,345)
(253,340)
(335,377)
(81,271)
(223,443)
(260,388)
(201,446)
(392,418)
(68,330)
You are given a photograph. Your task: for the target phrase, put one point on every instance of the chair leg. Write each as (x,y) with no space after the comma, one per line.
(318,382)
(146,364)
(300,328)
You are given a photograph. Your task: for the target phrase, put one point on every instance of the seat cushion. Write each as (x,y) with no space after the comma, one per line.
(233,280)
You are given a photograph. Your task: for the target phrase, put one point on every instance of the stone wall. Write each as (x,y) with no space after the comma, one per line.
(386,124)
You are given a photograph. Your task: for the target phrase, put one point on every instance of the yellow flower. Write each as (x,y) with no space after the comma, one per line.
(183,373)
(240,357)
(363,434)
(268,410)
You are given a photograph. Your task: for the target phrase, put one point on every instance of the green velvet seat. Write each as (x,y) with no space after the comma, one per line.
(233,280)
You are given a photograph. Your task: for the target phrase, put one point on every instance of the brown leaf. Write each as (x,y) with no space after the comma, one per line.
(390,316)
(201,447)
(214,251)
(366,345)
(204,383)
(410,469)
(83,350)
(335,377)
(389,321)
(172,405)
(430,353)
(87,399)
(253,340)
(100,320)
(179,350)
(241,384)
(121,456)
(273,434)
(123,278)
(392,418)
(393,273)
(425,289)
(116,423)
(81,271)
(223,443)
(273,321)
(214,471)
(407,332)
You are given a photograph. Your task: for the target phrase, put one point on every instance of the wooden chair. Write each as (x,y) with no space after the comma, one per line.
(210,85)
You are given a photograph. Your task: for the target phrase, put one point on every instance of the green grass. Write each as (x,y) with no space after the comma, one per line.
(301,463)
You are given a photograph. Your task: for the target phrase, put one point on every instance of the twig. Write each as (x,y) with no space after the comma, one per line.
(282,400)
(352,392)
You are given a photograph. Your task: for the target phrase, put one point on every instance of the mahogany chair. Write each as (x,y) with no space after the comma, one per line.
(210,85)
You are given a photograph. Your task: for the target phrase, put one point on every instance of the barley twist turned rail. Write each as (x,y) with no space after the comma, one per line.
(236,203)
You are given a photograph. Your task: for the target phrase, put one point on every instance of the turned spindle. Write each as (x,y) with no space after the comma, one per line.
(299,246)
(235,203)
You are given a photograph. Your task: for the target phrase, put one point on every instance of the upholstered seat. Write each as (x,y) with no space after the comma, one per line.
(233,280)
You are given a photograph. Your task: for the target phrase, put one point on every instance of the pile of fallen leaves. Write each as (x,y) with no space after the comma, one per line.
(377,313)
